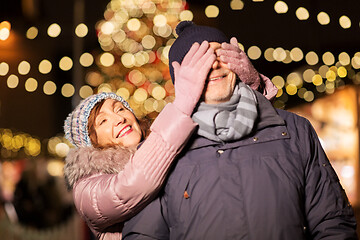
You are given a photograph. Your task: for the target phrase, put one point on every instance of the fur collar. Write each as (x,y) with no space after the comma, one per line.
(86,161)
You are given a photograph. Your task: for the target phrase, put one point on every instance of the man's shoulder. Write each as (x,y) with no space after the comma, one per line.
(291,116)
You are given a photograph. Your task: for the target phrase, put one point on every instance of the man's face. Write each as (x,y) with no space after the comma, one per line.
(221,81)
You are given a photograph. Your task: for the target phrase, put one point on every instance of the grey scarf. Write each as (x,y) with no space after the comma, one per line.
(228,121)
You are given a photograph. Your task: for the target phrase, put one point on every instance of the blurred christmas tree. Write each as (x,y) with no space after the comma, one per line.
(135,37)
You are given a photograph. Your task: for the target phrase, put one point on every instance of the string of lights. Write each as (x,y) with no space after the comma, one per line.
(135,37)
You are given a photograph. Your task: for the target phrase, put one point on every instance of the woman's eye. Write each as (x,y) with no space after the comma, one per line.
(102,121)
(119,109)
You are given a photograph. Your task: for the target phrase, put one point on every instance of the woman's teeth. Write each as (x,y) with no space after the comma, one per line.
(122,132)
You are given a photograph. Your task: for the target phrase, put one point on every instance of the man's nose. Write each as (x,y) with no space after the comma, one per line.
(215,64)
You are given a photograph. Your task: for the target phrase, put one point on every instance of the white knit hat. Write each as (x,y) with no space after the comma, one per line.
(76,124)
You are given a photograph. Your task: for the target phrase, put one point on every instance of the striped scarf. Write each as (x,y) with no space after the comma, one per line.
(228,121)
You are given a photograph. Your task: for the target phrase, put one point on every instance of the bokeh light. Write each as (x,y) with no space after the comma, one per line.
(31,84)
(212,11)
(67,90)
(49,88)
(54,30)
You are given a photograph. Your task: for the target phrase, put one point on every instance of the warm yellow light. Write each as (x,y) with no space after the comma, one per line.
(291,89)
(344,58)
(45,66)
(5,28)
(148,7)
(33,147)
(302,13)
(323,18)
(5,24)
(160,20)
(133,24)
(159,105)
(355,61)
(94,79)
(308,74)
(85,91)
(65,63)
(149,105)
(328,58)
(31,84)
(107,28)
(4,34)
(279,93)
(54,30)
(67,90)
(32,33)
(140,95)
(49,88)
(212,11)
(123,92)
(55,168)
(279,54)
(287,58)
(294,79)
(24,67)
(86,60)
(12,81)
(323,70)
(269,54)
(81,30)
(164,31)
(317,80)
(311,58)
(309,96)
(136,77)
(280,7)
(254,52)
(186,15)
(105,87)
(107,59)
(345,22)
(158,93)
(141,58)
(148,42)
(4,68)
(296,54)
(236,4)
(331,76)
(301,92)
(128,60)
(278,81)
(342,72)
(119,36)
(321,88)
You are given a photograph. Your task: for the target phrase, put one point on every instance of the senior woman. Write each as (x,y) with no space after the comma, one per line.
(111,175)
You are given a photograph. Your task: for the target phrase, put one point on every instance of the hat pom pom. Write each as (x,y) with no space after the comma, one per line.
(182,25)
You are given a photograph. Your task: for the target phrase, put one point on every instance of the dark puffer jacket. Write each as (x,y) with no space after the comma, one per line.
(275,184)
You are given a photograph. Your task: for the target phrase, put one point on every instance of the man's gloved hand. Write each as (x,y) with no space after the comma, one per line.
(240,64)
(191,75)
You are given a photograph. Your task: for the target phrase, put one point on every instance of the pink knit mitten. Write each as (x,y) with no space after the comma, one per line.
(190,76)
(240,64)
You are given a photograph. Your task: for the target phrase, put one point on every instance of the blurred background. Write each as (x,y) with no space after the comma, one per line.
(55,53)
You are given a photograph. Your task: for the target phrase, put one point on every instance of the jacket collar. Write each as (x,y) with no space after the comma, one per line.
(270,126)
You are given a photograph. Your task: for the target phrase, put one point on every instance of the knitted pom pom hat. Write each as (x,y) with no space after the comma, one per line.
(76,124)
(189,33)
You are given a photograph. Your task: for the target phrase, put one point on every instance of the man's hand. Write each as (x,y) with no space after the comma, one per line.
(190,76)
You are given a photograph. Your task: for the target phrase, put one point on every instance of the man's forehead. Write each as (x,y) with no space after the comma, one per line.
(215,45)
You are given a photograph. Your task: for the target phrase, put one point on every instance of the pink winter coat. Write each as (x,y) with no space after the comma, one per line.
(112,185)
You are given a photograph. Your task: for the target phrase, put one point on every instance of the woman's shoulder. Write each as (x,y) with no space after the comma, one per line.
(86,161)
